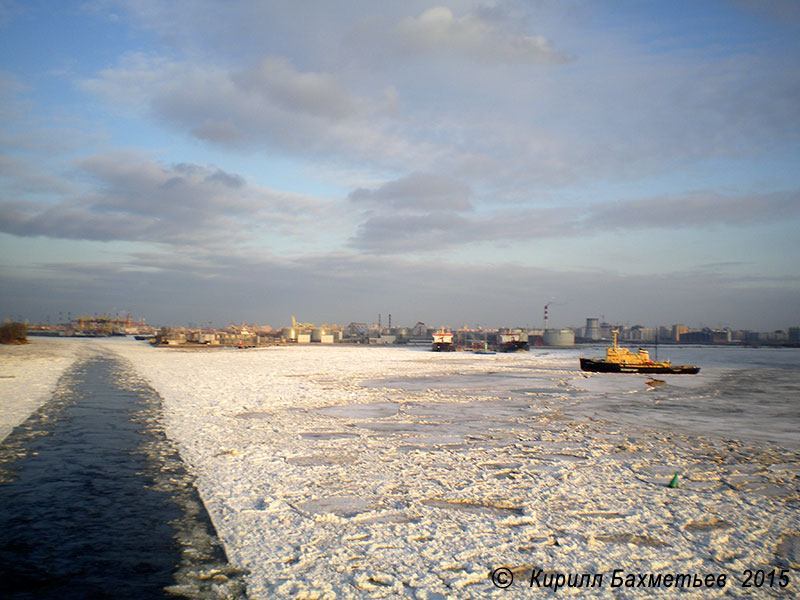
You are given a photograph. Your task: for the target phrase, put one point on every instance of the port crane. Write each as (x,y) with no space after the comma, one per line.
(304,326)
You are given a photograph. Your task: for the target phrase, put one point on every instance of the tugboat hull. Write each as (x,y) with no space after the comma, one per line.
(514,346)
(602,366)
(443,341)
(443,347)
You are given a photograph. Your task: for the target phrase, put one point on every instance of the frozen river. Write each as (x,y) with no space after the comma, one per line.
(741,393)
(353,472)
(346,472)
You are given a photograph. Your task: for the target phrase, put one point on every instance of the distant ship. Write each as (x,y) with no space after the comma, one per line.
(512,342)
(443,342)
(622,360)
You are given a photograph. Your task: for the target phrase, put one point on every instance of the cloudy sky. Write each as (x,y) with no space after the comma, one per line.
(452,162)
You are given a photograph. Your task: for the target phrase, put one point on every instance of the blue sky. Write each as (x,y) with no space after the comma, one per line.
(450,162)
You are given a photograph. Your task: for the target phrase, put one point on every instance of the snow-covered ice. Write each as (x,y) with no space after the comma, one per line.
(353,472)
(28,374)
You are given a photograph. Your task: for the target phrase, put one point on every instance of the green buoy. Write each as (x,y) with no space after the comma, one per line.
(674,482)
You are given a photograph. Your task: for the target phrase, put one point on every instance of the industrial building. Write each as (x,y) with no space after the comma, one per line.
(559,337)
(592,331)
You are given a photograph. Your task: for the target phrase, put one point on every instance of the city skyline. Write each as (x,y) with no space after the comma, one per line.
(456,162)
(385,323)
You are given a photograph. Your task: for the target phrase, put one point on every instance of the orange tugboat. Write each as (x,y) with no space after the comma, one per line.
(622,360)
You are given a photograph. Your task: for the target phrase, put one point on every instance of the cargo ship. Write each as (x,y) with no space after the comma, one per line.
(512,342)
(622,360)
(443,341)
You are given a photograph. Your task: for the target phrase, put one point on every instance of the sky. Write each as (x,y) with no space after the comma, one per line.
(455,163)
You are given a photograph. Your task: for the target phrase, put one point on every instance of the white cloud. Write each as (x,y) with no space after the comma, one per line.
(136,199)
(621,110)
(417,191)
(275,81)
(416,214)
(437,32)
(471,36)
(269,105)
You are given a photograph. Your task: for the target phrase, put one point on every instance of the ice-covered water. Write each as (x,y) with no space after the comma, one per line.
(352,472)
(340,472)
(740,393)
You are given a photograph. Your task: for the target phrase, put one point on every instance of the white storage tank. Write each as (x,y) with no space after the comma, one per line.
(559,337)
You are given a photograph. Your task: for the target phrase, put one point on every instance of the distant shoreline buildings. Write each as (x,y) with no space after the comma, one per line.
(681,334)
(595,331)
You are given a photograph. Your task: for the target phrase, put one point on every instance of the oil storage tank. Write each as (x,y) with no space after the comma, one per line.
(558,337)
